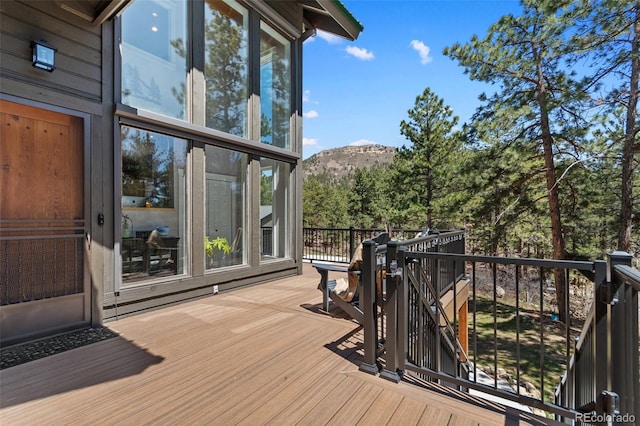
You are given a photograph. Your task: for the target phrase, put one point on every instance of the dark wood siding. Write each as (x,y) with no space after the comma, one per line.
(78,58)
(289,10)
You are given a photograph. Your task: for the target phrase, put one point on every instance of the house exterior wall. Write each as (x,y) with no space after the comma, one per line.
(86,83)
(74,88)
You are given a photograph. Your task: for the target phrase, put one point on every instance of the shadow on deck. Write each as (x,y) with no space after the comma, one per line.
(261,355)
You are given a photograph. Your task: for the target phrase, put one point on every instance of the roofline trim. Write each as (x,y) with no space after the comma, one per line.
(349,15)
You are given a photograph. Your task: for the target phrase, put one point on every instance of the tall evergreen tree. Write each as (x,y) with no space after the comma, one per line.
(522,56)
(431,129)
(324,203)
(367,206)
(610,37)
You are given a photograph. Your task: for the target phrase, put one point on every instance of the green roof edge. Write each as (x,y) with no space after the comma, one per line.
(349,14)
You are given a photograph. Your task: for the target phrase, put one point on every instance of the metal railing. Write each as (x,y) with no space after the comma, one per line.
(338,244)
(602,376)
(379,298)
(443,314)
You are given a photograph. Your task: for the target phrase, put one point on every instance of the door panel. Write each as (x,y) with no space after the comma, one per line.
(42,164)
(42,228)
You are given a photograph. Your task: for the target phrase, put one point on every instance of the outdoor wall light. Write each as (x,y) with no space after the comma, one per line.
(44,56)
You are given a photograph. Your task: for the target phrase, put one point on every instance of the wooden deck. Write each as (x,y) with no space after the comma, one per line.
(260,355)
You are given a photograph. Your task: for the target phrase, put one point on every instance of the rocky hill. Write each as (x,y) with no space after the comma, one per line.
(339,162)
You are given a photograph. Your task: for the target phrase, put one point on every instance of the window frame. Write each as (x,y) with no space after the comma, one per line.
(193,129)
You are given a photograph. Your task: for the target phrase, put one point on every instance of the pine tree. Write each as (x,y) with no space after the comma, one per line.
(610,37)
(434,144)
(522,56)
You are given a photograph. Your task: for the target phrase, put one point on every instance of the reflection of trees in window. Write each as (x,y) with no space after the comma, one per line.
(225,162)
(266,188)
(275,92)
(179,93)
(136,86)
(149,67)
(146,170)
(225,70)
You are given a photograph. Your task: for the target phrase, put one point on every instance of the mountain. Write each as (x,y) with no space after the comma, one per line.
(339,162)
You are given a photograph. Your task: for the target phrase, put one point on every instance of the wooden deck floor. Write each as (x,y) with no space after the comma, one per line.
(260,355)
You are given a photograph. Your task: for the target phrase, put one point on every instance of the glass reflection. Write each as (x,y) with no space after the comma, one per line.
(225,210)
(154,66)
(275,87)
(226,63)
(274,209)
(153,205)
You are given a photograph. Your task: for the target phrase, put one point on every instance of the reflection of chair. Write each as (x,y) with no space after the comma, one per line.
(236,247)
(133,253)
(345,293)
(157,249)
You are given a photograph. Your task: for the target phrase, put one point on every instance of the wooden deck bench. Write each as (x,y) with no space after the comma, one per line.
(327,286)
(353,308)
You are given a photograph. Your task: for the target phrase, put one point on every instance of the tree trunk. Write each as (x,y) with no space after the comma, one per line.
(559,251)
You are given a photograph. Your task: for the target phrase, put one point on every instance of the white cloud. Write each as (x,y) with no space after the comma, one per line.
(309,142)
(361,142)
(423,50)
(359,53)
(328,37)
(310,114)
(306,95)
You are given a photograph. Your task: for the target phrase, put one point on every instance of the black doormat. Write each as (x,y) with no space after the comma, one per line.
(11,356)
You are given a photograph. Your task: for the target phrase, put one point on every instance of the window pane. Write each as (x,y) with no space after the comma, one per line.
(225,209)
(275,87)
(274,209)
(153,205)
(226,63)
(154,66)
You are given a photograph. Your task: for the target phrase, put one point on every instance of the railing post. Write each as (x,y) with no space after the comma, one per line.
(403,298)
(624,336)
(602,323)
(351,242)
(390,372)
(368,271)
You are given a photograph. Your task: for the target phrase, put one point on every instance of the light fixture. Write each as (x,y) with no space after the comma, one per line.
(43,55)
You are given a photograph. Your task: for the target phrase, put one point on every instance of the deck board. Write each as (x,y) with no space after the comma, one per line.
(261,355)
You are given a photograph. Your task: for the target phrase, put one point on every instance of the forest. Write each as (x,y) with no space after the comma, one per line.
(548,164)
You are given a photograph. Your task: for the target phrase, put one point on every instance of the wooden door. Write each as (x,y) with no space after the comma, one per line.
(42,225)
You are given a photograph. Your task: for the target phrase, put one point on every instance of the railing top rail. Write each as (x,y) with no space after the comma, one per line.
(418,240)
(546,263)
(627,274)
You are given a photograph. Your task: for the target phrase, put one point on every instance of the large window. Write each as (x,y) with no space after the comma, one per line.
(274,212)
(225,208)
(154,65)
(223,76)
(156,45)
(275,87)
(153,204)
(226,63)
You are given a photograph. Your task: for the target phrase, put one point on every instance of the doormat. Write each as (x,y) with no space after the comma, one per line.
(11,356)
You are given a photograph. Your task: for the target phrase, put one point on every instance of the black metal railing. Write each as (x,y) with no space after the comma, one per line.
(379,292)
(491,325)
(602,380)
(338,244)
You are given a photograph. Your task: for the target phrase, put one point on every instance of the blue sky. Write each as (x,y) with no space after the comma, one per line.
(358,92)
